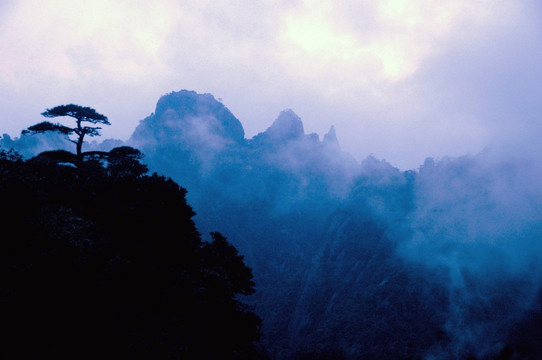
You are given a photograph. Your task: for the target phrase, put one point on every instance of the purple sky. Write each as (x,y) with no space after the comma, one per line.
(399,79)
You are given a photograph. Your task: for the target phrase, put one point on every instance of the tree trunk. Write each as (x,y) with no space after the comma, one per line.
(80,147)
(81,135)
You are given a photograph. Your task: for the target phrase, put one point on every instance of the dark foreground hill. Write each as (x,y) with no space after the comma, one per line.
(98,260)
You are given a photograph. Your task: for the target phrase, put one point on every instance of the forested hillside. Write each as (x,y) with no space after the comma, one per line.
(99,260)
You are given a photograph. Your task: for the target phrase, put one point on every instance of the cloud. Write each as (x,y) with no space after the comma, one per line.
(376,70)
(477,221)
(72,42)
(386,40)
(73,51)
(491,80)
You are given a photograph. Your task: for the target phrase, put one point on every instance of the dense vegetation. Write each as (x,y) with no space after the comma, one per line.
(99,260)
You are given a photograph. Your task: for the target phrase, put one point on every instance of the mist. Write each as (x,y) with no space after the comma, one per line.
(360,259)
(400,80)
(478,220)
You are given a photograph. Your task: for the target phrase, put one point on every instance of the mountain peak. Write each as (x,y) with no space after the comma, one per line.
(287,126)
(331,136)
(189,113)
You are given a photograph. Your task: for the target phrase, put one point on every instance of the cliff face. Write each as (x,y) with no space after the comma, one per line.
(281,197)
(271,195)
(308,225)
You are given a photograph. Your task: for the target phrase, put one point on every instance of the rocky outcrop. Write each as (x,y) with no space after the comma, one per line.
(186,116)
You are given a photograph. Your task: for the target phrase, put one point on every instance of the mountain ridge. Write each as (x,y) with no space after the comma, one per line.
(340,249)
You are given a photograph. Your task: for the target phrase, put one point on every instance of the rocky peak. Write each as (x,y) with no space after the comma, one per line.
(331,137)
(186,112)
(287,126)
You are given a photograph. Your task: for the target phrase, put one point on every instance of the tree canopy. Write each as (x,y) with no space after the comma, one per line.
(102,260)
(81,114)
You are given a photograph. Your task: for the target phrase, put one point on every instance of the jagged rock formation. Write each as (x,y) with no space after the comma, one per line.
(287,126)
(331,137)
(280,198)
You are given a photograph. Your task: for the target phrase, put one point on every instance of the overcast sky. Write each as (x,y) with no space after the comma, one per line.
(399,79)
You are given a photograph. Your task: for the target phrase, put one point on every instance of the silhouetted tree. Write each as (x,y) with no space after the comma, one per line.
(81,115)
(10,155)
(125,161)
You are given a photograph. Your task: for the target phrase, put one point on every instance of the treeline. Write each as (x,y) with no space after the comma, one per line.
(98,259)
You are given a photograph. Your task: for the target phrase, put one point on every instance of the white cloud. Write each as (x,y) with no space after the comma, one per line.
(382,40)
(78,40)
(365,66)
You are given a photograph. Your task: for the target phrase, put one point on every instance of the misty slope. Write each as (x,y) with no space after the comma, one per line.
(272,192)
(361,260)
